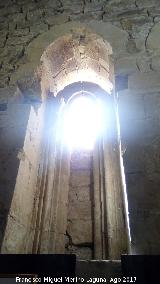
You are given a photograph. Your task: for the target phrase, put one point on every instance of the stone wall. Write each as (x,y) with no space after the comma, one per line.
(141,160)
(21,127)
(79,234)
(133,30)
(13,123)
(23,21)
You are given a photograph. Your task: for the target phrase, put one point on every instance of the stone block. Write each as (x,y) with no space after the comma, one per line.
(6,3)
(133,13)
(151,131)
(19,20)
(24,194)
(80,211)
(26,7)
(19,40)
(93,6)
(137,23)
(152,158)
(79,194)
(153,40)
(121,83)
(125,65)
(8,68)
(115,22)
(57,19)
(144,63)
(136,133)
(81,252)
(18,240)
(20,32)
(33,16)
(12,54)
(4,80)
(10,10)
(131,106)
(3,38)
(3,25)
(126,24)
(152,105)
(156,19)
(80,232)
(116,7)
(38,29)
(131,46)
(134,159)
(154,12)
(54,4)
(147,3)
(14,121)
(144,81)
(88,16)
(80,178)
(142,132)
(114,35)
(81,160)
(156,63)
(145,228)
(141,34)
(142,191)
(6,93)
(75,9)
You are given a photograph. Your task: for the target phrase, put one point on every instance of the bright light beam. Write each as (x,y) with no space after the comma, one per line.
(83,123)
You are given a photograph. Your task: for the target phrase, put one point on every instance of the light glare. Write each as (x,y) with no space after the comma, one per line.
(83,123)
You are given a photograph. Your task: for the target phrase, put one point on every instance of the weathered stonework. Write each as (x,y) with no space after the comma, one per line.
(80,211)
(20,129)
(132,28)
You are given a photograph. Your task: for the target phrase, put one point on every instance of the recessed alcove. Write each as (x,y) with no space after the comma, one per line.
(50,51)
(84,105)
(82,128)
(68,67)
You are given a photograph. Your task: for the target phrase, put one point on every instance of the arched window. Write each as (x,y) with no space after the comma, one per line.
(83,121)
(87,63)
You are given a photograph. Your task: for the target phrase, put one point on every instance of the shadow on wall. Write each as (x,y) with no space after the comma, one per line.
(13,123)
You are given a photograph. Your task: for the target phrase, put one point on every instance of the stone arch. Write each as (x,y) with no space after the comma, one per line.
(77,55)
(28,75)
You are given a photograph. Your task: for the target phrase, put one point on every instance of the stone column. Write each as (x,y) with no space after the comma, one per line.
(45,176)
(52,184)
(110,220)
